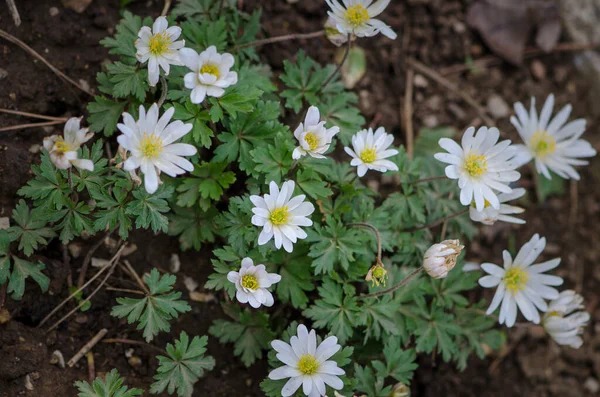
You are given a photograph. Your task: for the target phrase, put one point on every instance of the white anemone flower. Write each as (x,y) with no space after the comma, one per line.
(281,216)
(63,150)
(490,215)
(150,141)
(357,17)
(371,151)
(159,48)
(210,73)
(520,284)
(563,322)
(554,145)
(307,364)
(252,282)
(313,137)
(481,166)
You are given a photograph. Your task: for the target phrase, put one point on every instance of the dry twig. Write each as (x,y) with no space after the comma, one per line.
(408,113)
(87,347)
(34,115)
(12,7)
(88,258)
(133,342)
(432,74)
(277,39)
(135,276)
(31,51)
(31,125)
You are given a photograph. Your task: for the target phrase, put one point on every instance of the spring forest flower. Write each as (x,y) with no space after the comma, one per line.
(159,48)
(210,73)
(440,258)
(150,141)
(357,17)
(332,33)
(563,322)
(307,364)
(521,284)
(252,282)
(63,149)
(481,166)
(371,151)
(554,145)
(281,215)
(313,138)
(490,215)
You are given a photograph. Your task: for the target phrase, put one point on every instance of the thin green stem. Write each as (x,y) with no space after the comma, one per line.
(338,68)
(377,235)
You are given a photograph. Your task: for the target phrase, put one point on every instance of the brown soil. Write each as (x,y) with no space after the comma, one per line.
(432,31)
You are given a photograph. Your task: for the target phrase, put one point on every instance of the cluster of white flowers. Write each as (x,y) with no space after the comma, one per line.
(210,71)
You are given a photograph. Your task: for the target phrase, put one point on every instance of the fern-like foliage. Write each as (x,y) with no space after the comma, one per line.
(111,387)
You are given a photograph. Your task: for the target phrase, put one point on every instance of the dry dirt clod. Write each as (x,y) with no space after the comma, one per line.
(202,297)
(129,249)
(4,223)
(420,81)
(75,250)
(28,383)
(99,262)
(4,316)
(190,283)
(592,385)
(35,148)
(78,6)
(134,361)
(53,11)
(3,73)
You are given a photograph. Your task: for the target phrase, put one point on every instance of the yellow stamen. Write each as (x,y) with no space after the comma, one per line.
(159,43)
(280,216)
(543,143)
(368,155)
(151,146)
(63,146)
(475,165)
(308,364)
(311,140)
(485,204)
(515,279)
(250,281)
(210,68)
(357,15)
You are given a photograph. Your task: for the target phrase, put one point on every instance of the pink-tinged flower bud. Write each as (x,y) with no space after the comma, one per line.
(440,258)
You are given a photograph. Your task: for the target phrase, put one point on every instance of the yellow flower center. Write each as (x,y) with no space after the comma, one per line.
(250,281)
(543,143)
(368,155)
(279,216)
(311,140)
(357,15)
(515,279)
(485,204)
(159,43)
(151,146)
(210,68)
(475,165)
(63,146)
(308,364)
(553,314)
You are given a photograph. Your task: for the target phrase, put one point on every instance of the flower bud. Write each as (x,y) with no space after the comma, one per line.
(333,34)
(440,258)
(377,274)
(400,390)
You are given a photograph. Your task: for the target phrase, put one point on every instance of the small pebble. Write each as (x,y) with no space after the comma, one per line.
(35,148)
(4,223)
(190,283)
(202,297)
(420,81)
(3,73)
(28,383)
(75,250)
(592,385)
(53,11)
(134,361)
(98,262)
(174,263)
(58,358)
(498,107)
(538,70)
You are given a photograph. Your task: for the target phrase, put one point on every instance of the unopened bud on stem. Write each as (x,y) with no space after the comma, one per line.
(440,258)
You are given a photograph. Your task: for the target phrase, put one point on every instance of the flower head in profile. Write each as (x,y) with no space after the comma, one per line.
(159,47)
(490,215)
(151,142)
(377,275)
(564,321)
(370,151)
(440,258)
(357,17)
(314,139)
(281,215)
(521,284)
(63,149)
(332,33)
(481,166)
(252,282)
(307,364)
(553,143)
(210,73)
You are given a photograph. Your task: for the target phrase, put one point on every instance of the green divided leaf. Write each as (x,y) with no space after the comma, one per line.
(149,208)
(183,367)
(155,310)
(209,184)
(104,115)
(31,231)
(128,80)
(21,270)
(111,387)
